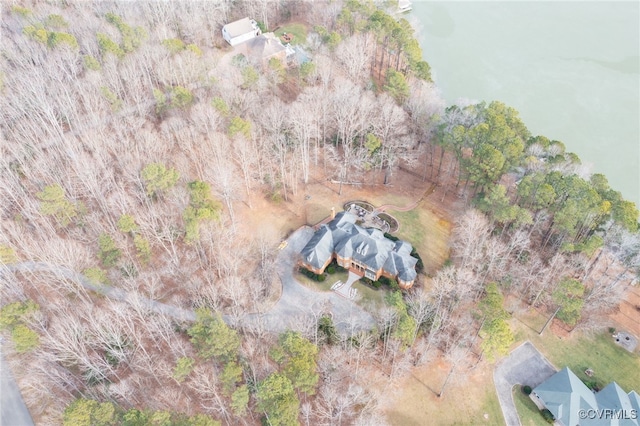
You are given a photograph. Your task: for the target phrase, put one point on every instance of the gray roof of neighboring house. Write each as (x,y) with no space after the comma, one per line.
(564,395)
(240,27)
(264,46)
(635,401)
(614,398)
(367,246)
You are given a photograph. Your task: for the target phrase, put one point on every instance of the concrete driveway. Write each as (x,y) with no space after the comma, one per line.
(524,366)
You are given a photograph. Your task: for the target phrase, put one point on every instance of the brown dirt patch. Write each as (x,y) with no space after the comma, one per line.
(627,315)
(559,329)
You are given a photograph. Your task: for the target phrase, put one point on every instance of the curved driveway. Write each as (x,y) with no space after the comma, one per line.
(111,292)
(297,303)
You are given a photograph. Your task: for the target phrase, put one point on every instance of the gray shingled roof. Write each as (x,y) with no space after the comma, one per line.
(614,398)
(264,46)
(635,401)
(565,395)
(319,248)
(367,246)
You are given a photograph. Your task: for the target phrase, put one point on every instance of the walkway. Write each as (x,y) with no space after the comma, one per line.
(524,366)
(344,289)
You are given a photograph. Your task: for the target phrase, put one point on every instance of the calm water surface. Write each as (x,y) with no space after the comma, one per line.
(572,70)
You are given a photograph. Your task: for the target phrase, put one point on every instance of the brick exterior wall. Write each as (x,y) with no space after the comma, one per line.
(346,263)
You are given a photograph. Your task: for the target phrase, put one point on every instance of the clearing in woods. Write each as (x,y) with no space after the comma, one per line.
(427,226)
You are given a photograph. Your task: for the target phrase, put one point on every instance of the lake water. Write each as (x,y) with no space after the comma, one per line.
(572,70)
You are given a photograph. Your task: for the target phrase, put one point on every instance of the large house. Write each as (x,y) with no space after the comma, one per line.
(240,31)
(572,403)
(366,252)
(263,48)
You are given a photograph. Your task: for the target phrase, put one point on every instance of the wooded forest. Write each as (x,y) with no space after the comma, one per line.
(131,135)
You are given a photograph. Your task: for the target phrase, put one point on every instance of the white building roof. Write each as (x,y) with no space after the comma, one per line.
(240,27)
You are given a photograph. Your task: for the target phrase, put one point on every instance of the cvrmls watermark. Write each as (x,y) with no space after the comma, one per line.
(608,414)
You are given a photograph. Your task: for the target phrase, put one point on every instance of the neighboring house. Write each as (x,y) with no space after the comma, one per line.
(240,31)
(572,403)
(263,48)
(404,6)
(366,252)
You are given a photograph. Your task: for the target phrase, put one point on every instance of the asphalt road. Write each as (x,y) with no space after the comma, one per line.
(524,366)
(13,412)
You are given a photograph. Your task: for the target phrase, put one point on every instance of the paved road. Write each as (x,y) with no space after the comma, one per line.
(524,366)
(13,412)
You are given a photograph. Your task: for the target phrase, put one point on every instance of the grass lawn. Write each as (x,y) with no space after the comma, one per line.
(428,233)
(473,402)
(299,32)
(390,198)
(324,285)
(527,410)
(369,297)
(315,212)
(608,361)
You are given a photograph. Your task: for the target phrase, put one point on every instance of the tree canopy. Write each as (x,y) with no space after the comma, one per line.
(496,333)
(297,357)
(569,298)
(213,338)
(278,400)
(55,203)
(158,178)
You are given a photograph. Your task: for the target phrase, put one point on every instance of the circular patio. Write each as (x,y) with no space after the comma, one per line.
(369,217)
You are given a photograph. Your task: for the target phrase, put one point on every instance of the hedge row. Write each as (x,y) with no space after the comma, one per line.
(312,275)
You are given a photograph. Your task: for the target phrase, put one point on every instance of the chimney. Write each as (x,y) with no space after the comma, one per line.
(333,213)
